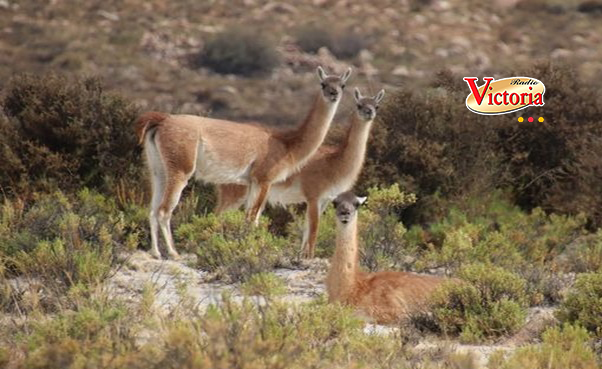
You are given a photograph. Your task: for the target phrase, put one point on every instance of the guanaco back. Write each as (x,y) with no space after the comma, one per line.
(216,151)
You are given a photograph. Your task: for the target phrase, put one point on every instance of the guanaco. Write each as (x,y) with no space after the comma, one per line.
(386,297)
(219,151)
(332,170)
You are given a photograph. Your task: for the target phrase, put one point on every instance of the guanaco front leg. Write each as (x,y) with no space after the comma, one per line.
(311,223)
(230,196)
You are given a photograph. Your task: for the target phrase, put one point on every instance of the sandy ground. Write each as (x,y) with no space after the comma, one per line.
(171,280)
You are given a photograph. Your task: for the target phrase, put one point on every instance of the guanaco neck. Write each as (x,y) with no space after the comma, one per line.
(353,149)
(343,272)
(306,139)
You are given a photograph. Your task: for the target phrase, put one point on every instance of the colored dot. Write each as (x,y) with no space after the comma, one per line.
(530,119)
(520,119)
(540,119)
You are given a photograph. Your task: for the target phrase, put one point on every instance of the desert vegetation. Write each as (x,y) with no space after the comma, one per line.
(511,210)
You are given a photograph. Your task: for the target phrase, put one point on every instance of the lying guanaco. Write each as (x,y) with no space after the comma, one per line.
(219,151)
(329,172)
(385,297)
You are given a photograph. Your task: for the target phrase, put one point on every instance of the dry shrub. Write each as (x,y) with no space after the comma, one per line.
(64,133)
(239,51)
(440,150)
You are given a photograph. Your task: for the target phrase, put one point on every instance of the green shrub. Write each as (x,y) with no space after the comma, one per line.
(492,230)
(96,334)
(583,305)
(106,333)
(584,254)
(64,133)
(239,51)
(63,241)
(267,285)
(229,246)
(565,347)
(489,302)
(226,335)
(381,233)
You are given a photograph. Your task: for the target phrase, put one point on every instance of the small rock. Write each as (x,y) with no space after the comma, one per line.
(368,69)
(365,56)
(461,41)
(401,71)
(421,37)
(420,19)
(442,53)
(480,60)
(442,6)
(591,71)
(505,4)
(107,15)
(228,89)
(560,53)
(579,39)
(279,8)
(209,29)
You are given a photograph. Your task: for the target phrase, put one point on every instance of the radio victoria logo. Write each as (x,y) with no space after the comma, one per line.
(505,95)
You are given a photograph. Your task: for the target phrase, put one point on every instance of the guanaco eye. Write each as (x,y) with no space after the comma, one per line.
(359,107)
(343,87)
(323,85)
(376,107)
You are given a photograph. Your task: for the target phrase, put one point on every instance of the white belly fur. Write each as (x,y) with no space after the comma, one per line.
(212,169)
(340,186)
(282,195)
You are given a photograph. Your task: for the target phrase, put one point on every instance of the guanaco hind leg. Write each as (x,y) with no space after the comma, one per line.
(171,197)
(258,194)
(230,197)
(157,173)
(158,187)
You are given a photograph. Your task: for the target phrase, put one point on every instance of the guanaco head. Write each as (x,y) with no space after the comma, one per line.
(346,205)
(333,86)
(367,106)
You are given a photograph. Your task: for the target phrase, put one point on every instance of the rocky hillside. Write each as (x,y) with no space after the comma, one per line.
(149,50)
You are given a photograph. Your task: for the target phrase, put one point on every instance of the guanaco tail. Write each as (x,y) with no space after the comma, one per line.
(178,147)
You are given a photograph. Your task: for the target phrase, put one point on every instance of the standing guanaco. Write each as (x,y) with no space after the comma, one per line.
(329,172)
(386,297)
(219,151)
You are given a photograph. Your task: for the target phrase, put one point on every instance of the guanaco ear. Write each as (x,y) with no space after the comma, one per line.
(346,75)
(361,200)
(357,94)
(321,74)
(379,96)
